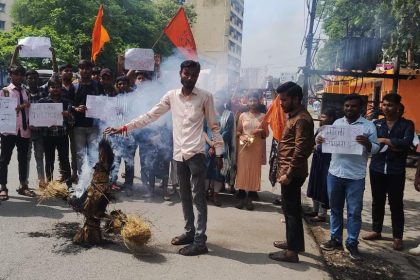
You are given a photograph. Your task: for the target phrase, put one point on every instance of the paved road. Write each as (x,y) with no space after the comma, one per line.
(35,242)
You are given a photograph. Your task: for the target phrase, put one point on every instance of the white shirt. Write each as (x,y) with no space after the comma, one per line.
(188,115)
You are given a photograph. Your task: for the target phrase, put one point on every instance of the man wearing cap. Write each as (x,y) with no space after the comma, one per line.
(107,82)
(20,138)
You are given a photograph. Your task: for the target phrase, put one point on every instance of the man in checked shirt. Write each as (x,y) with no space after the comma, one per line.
(190,106)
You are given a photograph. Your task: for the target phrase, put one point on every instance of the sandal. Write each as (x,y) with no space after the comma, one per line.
(4,194)
(26,192)
(183,239)
(193,250)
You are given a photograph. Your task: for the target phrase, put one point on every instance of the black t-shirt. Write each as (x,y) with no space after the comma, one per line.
(68,93)
(81,92)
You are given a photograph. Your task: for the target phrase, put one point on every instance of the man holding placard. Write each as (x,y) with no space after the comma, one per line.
(347,172)
(86,130)
(56,136)
(20,137)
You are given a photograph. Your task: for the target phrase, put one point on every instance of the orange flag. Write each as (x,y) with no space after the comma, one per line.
(99,35)
(179,32)
(276,118)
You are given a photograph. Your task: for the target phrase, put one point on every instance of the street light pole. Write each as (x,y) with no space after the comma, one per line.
(309,42)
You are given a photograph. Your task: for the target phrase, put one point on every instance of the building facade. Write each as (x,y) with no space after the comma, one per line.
(218,36)
(5,14)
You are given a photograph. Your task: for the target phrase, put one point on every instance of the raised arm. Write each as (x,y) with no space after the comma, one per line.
(54,60)
(15,55)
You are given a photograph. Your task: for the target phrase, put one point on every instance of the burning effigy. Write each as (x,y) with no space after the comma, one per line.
(93,202)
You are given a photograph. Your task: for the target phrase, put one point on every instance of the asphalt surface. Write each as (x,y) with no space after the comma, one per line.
(35,241)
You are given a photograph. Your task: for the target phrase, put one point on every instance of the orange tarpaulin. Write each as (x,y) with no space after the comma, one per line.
(99,35)
(179,32)
(275,118)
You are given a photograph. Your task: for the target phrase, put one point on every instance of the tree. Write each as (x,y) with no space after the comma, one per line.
(396,22)
(69,23)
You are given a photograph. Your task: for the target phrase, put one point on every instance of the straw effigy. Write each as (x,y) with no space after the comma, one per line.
(135,233)
(54,189)
(116,221)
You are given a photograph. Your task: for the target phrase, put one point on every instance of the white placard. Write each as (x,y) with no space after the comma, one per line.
(8,115)
(96,106)
(342,139)
(46,114)
(35,47)
(139,59)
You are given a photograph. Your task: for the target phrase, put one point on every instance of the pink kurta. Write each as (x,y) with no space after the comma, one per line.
(250,157)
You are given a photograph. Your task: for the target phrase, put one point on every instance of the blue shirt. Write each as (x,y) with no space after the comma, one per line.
(354,166)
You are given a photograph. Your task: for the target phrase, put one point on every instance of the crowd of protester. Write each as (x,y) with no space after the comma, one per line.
(216,143)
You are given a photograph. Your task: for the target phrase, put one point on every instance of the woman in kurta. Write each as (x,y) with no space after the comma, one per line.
(251,133)
(317,184)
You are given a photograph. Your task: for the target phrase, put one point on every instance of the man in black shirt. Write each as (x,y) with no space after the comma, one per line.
(86,130)
(67,92)
(387,169)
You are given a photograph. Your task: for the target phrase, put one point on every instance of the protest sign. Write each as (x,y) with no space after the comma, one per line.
(342,139)
(139,59)
(8,115)
(35,47)
(96,106)
(46,114)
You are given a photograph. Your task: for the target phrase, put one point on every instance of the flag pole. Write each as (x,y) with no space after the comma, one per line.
(160,36)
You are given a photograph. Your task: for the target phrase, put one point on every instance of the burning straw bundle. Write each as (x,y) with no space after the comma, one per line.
(54,189)
(135,232)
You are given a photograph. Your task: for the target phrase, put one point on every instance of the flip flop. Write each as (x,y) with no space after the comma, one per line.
(193,250)
(26,192)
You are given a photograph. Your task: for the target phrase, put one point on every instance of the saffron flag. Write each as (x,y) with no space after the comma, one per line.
(276,118)
(99,35)
(179,32)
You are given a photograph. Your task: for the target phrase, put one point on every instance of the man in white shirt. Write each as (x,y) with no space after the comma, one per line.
(190,106)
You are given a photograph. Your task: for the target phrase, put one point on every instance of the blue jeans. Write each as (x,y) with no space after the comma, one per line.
(342,190)
(87,142)
(124,148)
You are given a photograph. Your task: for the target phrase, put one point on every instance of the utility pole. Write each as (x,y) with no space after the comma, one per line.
(396,73)
(308,43)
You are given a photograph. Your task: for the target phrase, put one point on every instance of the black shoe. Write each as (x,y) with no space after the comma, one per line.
(354,252)
(332,245)
(240,204)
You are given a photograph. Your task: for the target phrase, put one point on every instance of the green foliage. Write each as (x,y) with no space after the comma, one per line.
(69,24)
(396,22)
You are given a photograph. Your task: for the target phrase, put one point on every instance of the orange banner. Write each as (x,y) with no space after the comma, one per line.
(99,35)
(179,32)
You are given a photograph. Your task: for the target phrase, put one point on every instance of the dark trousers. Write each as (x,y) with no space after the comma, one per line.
(243,194)
(61,143)
(8,143)
(393,186)
(292,208)
(191,175)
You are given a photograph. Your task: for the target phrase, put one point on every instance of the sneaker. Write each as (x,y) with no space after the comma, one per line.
(332,245)
(415,251)
(354,252)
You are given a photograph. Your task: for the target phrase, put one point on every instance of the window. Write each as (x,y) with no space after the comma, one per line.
(2,7)
(2,25)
